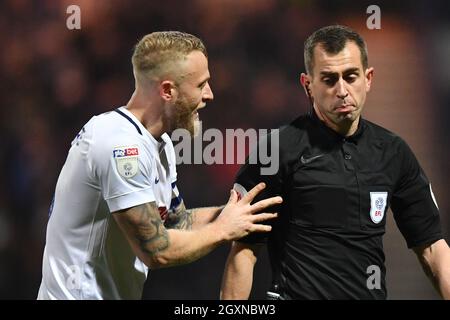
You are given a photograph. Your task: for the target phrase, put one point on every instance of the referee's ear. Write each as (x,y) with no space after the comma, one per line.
(369,76)
(305,82)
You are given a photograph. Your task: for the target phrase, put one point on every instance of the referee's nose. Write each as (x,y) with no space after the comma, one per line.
(341,89)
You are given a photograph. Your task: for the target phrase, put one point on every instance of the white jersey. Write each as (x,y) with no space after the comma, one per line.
(114,163)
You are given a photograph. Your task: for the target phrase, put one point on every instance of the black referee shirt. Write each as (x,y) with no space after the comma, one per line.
(327,241)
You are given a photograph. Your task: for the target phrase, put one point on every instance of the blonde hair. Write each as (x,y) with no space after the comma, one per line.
(159,54)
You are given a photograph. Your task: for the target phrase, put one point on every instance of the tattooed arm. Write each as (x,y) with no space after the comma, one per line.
(159,247)
(203,216)
(187,219)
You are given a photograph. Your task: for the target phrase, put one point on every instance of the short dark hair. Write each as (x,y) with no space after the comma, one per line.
(333,39)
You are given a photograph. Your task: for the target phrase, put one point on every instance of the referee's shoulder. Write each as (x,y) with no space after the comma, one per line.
(294,131)
(380,133)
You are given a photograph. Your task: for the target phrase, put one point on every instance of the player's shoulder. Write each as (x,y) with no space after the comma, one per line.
(113,122)
(112,130)
(116,125)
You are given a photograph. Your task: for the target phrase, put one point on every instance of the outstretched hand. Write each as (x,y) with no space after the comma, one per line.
(240,217)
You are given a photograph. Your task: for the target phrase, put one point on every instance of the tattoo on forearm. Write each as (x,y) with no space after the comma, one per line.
(152,235)
(180,218)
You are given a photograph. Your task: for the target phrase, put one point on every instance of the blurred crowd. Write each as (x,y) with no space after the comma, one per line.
(54,79)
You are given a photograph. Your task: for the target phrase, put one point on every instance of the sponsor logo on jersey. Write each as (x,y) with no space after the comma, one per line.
(378,202)
(127,161)
(125,152)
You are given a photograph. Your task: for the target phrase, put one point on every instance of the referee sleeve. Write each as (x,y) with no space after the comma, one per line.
(252,173)
(413,203)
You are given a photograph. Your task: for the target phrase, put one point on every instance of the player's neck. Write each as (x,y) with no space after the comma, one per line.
(148,113)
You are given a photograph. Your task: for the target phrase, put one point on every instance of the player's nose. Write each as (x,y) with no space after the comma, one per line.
(208,95)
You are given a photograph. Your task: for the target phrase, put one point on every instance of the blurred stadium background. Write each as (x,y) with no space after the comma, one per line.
(54,79)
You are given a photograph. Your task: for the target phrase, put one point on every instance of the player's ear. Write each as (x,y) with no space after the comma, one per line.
(305,82)
(167,90)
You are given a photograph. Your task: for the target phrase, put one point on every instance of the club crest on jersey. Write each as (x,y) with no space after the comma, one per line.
(127,161)
(378,202)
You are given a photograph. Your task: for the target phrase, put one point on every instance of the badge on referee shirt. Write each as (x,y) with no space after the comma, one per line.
(127,161)
(378,201)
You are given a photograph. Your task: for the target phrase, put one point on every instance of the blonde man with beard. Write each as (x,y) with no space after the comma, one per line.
(117,210)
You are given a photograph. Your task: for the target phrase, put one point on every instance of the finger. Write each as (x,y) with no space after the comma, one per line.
(263,217)
(233,197)
(261,205)
(261,228)
(253,192)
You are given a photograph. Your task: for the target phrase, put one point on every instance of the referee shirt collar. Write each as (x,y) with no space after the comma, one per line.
(333,134)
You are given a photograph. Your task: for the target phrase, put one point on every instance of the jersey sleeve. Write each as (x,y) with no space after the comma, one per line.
(413,203)
(124,168)
(252,173)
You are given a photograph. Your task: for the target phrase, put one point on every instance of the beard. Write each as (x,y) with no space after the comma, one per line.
(184,117)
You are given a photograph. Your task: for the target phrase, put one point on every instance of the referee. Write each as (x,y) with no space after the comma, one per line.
(338,175)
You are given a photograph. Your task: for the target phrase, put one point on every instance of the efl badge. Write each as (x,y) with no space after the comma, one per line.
(378,201)
(240,190)
(127,161)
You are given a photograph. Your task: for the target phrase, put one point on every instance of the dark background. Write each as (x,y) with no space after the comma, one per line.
(54,79)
